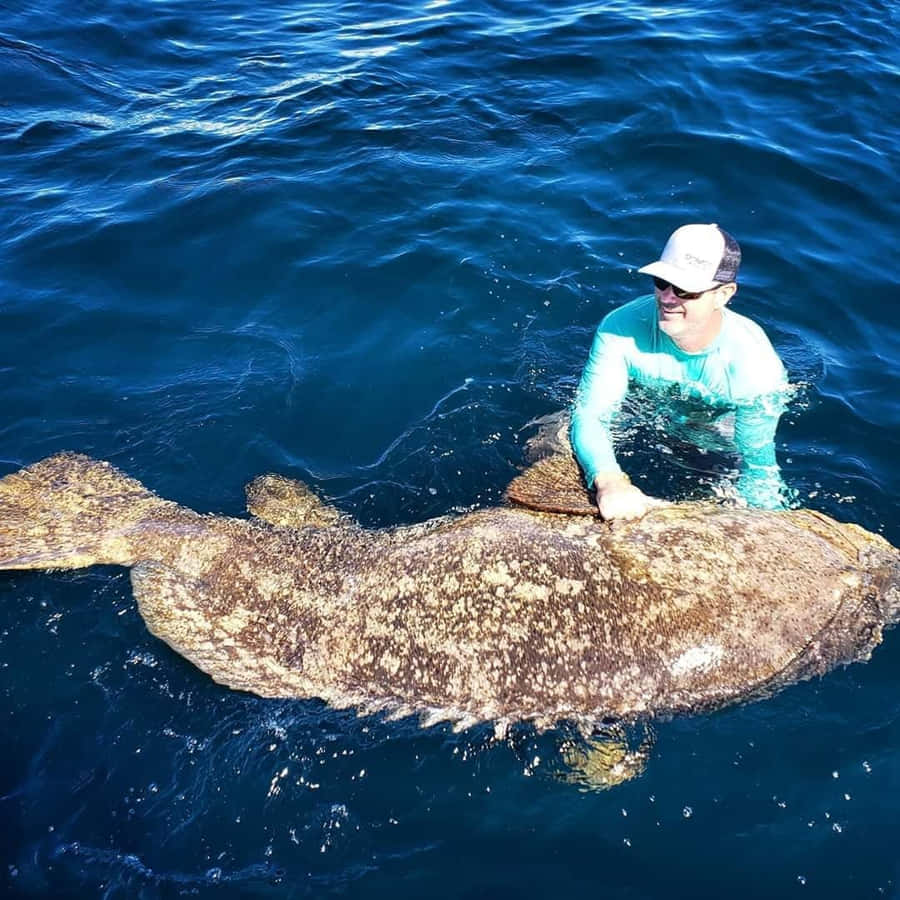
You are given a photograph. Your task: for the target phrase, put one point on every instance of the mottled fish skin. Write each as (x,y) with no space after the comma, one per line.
(501,614)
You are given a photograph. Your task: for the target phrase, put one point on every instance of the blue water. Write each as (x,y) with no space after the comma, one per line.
(364,245)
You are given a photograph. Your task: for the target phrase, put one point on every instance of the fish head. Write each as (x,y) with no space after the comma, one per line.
(874,559)
(884,568)
(878,561)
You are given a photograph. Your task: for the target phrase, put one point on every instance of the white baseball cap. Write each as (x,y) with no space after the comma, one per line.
(697,258)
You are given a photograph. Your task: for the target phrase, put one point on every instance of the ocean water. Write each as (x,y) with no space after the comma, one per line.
(365,245)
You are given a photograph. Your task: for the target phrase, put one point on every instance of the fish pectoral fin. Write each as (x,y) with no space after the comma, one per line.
(288,503)
(607,758)
(553,484)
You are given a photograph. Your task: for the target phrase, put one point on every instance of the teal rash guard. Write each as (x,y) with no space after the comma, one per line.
(738,373)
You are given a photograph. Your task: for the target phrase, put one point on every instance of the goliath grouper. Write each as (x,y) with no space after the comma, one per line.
(534,610)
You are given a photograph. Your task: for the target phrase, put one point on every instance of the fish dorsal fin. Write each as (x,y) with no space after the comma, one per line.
(289,503)
(553,484)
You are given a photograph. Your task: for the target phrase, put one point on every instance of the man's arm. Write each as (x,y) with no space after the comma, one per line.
(601,390)
(603,385)
(760,482)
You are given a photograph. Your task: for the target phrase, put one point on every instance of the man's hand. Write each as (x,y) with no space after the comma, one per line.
(618,498)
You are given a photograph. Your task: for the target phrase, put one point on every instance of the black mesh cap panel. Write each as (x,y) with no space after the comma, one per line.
(731,259)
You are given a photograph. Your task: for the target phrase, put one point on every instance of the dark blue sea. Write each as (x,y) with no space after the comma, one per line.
(365,245)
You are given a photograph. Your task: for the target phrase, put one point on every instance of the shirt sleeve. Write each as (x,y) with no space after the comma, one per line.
(603,385)
(759,481)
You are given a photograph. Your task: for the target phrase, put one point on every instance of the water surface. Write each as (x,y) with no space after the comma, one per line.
(364,245)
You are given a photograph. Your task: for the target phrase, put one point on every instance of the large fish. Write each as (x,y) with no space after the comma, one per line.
(508,613)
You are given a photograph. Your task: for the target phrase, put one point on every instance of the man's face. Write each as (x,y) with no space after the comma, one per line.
(696,316)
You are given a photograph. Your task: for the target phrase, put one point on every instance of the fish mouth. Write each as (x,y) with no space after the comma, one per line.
(883,581)
(890,590)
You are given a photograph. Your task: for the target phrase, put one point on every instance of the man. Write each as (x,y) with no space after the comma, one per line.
(682,335)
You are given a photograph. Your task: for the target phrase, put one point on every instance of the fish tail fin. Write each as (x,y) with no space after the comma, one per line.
(70,511)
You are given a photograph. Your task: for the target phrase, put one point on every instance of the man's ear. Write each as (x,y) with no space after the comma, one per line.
(725,293)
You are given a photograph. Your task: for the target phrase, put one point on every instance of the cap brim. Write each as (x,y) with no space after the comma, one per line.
(688,281)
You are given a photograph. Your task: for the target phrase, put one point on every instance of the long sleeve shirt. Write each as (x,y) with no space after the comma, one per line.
(739,372)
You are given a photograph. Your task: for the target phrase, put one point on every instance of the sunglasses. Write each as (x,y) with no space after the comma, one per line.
(662,284)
